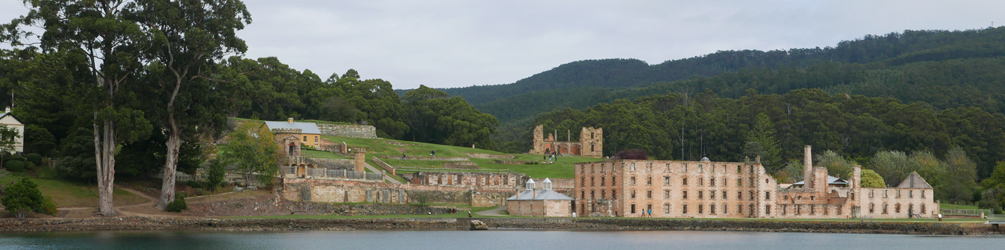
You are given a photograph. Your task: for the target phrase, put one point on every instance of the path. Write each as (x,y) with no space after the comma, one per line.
(492,212)
(386,177)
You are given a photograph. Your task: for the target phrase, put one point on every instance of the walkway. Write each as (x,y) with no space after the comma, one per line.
(386,177)
(493,212)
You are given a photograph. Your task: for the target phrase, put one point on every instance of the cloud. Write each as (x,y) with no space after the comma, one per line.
(455,43)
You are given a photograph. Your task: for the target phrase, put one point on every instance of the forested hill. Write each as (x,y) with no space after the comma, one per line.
(578,84)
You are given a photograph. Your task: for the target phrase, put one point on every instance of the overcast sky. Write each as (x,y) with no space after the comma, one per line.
(456,43)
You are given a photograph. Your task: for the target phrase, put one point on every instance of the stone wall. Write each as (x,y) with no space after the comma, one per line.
(349,130)
(504,180)
(285,225)
(490,156)
(341,191)
(460,165)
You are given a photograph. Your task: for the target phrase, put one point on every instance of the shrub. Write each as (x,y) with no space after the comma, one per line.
(34,158)
(194,184)
(21,197)
(15,165)
(216,174)
(178,204)
(49,206)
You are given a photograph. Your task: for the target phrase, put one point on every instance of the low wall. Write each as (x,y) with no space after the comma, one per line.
(460,165)
(342,191)
(209,224)
(349,130)
(387,167)
(490,156)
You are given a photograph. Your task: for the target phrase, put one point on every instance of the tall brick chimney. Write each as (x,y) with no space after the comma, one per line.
(808,167)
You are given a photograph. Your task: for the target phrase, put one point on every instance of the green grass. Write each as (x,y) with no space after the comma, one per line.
(955,206)
(68,194)
(562,168)
(322,154)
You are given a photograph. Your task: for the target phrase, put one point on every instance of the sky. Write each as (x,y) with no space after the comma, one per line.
(458,43)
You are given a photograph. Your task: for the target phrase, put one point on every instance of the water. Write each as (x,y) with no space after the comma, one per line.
(490,240)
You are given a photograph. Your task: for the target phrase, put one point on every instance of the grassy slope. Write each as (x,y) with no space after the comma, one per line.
(68,194)
(562,168)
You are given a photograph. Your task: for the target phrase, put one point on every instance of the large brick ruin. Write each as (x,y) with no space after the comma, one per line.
(590,144)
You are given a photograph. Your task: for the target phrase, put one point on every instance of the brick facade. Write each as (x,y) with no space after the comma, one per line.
(590,144)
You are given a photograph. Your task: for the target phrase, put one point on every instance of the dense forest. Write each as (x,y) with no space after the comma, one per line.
(945,69)
(152,96)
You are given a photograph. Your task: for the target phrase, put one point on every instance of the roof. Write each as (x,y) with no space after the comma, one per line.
(305,127)
(831,180)
(914,180)
(528,195)
(5,114)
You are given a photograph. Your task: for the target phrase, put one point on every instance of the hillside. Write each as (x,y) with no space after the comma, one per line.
(873,65)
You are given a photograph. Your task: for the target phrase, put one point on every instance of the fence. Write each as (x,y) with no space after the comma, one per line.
(965,212)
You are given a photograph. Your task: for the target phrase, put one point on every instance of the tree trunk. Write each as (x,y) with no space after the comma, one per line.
(104,150)
(170,165)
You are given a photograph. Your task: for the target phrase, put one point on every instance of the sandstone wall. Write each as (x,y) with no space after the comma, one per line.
(349,130)
(340,191)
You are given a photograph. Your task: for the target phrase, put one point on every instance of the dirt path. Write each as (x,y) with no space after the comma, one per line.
(492,212)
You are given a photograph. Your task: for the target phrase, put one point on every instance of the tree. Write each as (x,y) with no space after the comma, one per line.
(21,197)
(185,40)
(872,179)
(761,143)
(8,137)
(893,166)
(835,164)
(993,195)
(252,149)
(962,176)
(106,45)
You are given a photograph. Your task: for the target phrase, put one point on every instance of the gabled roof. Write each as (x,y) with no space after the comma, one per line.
(914,180)
(831,180)
(528,195)
(305,127)
(5,114)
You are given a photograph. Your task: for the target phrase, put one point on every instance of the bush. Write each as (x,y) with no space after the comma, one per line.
(49,206)
(34,158)
(15,165)
(216,174)
(194,184)
(178,204)
(21,197)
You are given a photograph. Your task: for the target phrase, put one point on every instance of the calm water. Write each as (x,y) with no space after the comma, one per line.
(490,240)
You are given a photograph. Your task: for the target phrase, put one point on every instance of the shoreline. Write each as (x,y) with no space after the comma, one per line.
(569,224)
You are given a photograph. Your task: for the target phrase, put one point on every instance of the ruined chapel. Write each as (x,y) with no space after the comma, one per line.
(590,144)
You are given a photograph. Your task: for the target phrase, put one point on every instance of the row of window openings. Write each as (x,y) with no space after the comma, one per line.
(666,195)
(813,209)
(701,209)
(666,181)
(649,167)
(896,208)
(886,193)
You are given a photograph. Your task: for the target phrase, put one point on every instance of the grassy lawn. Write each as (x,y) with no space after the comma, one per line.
(955,206)
(322,154)
(68,194)
(562,168)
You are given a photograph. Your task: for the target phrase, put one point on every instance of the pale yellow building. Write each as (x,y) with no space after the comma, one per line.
(6,118)
(543,202)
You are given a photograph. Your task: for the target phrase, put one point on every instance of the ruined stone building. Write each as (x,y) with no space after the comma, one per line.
(539,202)
(706,189)
(679,189)
(590,144)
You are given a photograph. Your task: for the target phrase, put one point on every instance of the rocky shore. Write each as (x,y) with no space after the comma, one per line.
(582,224)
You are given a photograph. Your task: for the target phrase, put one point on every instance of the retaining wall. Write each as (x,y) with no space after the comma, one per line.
(349,130)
